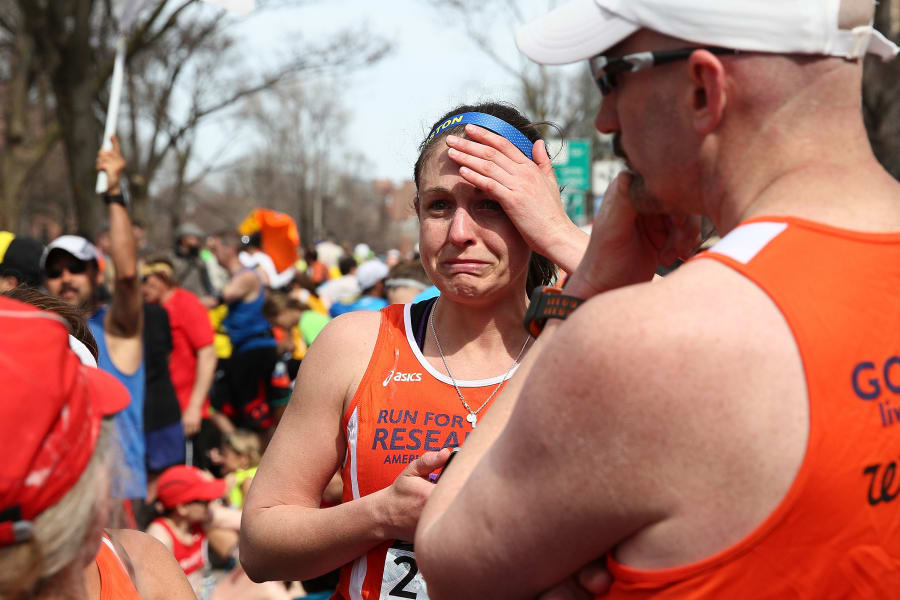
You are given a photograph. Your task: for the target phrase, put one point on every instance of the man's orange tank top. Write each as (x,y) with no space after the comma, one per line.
(402,408)
(836,533)
(115,583)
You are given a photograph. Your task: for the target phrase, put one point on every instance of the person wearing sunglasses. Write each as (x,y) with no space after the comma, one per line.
(71,273)
(724,432)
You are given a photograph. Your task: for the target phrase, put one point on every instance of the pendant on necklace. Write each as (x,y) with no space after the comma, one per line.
(472,418)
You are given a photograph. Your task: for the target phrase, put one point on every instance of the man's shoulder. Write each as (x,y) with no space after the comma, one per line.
(697,324)
(699,368)
(184,298)
(249,281)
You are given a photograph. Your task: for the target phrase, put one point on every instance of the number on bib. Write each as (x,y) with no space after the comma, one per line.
(401,577)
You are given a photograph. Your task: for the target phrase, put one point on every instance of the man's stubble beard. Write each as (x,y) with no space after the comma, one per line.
(642,200)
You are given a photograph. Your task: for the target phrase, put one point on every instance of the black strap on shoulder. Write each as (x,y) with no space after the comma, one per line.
(418,316)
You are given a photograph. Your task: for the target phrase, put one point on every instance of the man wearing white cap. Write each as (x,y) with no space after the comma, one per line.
(370,275)
(727,432)
(71,273)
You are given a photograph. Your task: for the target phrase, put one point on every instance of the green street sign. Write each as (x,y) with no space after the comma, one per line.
(572,165)
(575,206)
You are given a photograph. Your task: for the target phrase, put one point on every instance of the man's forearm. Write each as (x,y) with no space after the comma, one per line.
(123,250)
(126,307)
(239,287)
(204,374)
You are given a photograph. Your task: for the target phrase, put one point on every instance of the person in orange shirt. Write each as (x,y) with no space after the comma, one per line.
(729,431)
(383,396)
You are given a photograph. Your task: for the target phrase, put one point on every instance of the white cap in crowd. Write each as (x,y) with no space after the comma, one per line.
(371,272)
(75,245)
(580,29)
(362,252)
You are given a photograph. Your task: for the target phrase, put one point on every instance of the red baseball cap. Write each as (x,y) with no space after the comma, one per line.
(51,407)
(183,483)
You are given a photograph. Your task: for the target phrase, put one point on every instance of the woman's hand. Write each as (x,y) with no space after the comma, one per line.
(403,500)
(527,191)
(626,246)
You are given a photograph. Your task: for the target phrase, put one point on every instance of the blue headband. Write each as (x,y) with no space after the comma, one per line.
(498,126)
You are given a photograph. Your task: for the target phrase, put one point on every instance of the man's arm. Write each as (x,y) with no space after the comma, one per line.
(125,317)
(516,525)
(637,244)
(203,378)
(241,287)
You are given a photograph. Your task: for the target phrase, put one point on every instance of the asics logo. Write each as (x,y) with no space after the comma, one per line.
(400,377)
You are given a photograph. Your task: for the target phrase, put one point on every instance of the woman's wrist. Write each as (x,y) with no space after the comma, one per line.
(380,511)
(567,248)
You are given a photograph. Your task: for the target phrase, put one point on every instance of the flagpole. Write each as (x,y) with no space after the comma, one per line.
(112,110)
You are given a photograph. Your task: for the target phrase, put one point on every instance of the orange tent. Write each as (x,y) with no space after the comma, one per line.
(280,238)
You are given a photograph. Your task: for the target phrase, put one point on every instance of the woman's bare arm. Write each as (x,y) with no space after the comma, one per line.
(284,533)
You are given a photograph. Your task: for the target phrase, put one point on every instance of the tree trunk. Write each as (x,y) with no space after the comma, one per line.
(140,207)
(27,138)
(74,87)
(81,135)
(11,180)
(881,88)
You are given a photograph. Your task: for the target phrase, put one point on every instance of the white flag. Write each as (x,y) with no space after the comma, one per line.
(239,7)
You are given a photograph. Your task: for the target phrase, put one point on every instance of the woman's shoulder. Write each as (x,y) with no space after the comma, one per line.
(349,329)
(343,348)
(363,325)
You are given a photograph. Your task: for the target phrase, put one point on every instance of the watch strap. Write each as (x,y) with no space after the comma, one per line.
(548,302)
(114,199)
(124,195)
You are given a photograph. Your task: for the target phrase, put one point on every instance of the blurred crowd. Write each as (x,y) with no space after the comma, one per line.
(218,335)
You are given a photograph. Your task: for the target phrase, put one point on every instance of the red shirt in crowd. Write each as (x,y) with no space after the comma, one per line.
(191,331)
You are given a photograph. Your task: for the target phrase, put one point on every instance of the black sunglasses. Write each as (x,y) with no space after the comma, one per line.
(605,69)
(75,267)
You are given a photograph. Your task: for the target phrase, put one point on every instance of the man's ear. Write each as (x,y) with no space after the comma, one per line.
(709,97)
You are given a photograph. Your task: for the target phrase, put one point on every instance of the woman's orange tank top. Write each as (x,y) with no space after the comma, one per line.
(402,408)
(836,534)
(115,583)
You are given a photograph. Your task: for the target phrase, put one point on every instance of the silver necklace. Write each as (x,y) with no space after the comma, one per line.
(472,417)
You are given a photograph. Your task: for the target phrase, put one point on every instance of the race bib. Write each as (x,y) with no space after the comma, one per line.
(402,578)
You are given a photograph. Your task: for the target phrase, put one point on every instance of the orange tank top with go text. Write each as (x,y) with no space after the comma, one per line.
(115,583)
(402,408)
(836,533)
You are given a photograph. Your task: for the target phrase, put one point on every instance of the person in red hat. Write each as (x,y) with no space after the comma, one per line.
(55,476)
(184,495)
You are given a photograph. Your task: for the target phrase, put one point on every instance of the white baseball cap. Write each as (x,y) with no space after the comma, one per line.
(371,272)
(580,29)
(75,245)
